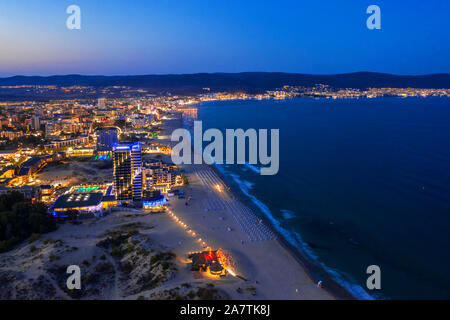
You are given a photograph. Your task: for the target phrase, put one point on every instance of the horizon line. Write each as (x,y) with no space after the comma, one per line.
(217,73)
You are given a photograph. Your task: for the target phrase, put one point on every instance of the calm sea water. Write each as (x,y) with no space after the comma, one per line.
(361,182)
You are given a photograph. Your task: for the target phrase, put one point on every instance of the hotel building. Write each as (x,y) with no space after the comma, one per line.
(161,176)
(127,170)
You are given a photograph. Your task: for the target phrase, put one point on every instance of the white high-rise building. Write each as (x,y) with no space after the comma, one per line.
(127,171)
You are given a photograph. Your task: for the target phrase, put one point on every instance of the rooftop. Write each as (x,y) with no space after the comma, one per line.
(77,200)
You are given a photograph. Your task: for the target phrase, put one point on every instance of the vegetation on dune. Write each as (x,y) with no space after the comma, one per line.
(20,219)
(144,268)
(184,293)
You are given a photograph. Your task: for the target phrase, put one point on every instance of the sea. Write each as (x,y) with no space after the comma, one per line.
(361,182)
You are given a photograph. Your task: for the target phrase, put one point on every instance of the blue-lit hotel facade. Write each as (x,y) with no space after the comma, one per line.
(127,172)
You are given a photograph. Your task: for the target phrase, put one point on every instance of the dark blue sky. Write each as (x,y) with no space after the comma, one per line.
(146,37)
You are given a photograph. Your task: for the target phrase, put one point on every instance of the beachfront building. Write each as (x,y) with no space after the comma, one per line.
(85,200)
(81,203)
(161,176)
(154,201)
(127,171)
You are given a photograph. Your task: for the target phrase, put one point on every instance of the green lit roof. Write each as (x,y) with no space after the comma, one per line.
(87,189)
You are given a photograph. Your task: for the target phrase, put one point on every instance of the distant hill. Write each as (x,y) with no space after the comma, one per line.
(246,81)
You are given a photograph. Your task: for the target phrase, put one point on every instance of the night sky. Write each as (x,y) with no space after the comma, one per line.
(158,37)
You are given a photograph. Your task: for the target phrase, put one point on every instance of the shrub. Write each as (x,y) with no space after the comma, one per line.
(89,278)
(206,294)
(52,257)
(191,294)
(33,237)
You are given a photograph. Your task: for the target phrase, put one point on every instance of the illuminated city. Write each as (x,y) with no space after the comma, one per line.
(231,157)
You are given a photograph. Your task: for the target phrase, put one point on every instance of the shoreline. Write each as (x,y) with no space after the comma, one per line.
(312,270)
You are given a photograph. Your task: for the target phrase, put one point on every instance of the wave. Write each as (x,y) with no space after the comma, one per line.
(255,169)
(287,214)
(248,184)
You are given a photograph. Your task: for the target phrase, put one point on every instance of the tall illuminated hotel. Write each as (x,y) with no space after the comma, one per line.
(127,159)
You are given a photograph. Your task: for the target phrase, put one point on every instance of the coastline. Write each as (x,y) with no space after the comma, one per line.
(313,271)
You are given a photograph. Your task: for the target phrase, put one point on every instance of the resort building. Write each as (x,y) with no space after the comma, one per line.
(161,176)
(154,201)
(90,200)
(127,171)
(82,203)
